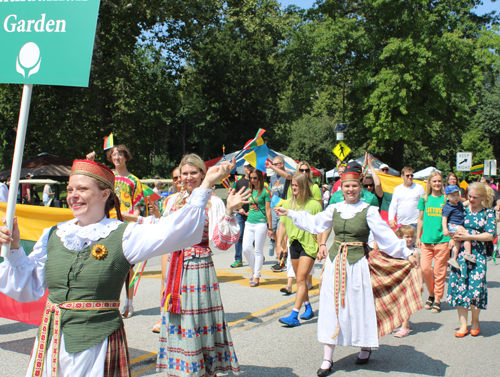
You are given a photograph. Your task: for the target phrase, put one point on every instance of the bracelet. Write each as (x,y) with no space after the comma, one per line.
(323,244)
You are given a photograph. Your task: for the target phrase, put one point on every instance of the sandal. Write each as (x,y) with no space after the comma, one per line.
(286,290)
(429,302)
(402,333)
(157,327)
(436,307)
(470,258)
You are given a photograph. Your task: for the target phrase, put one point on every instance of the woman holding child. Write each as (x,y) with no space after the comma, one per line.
(433,243)
(467,286)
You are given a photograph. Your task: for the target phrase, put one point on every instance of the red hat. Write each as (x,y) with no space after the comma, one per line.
(352,172)
(94,170)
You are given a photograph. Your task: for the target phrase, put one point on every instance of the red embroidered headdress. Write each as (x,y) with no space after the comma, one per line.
(352,172)
(94,170)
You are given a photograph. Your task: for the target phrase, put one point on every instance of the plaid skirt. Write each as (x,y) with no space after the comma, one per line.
(197,342)
(117,362)
(396,290)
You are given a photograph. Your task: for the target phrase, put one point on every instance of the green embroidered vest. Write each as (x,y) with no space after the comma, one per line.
(350,230)
(78,276)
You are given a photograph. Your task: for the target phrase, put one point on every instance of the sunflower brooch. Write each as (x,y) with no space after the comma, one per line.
(99,252)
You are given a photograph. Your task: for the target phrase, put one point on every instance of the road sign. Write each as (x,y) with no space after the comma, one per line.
(47,42)
(490,167)
(464,161)
(341,150)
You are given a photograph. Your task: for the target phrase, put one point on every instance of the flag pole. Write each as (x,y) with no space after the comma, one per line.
(17,161)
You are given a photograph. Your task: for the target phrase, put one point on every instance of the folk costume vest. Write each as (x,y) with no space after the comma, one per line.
(81,276)
(355,230)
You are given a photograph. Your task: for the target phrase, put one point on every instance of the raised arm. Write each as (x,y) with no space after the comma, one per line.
(303,220)
(376,179)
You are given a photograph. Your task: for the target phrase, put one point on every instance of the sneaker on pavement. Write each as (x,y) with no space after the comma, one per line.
(308,314)
(237,263)
(290,321)
(277,267)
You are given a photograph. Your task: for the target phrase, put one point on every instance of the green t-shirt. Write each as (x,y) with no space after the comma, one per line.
(257,213)
(316,192)
(305,238)
(365,196)
(432,231)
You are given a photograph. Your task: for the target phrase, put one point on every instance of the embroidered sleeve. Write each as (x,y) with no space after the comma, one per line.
(224,231)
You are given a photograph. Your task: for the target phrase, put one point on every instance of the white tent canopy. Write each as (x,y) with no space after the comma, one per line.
(376,164)
(423,174)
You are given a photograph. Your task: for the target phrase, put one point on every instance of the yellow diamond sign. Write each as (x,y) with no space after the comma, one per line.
(341,150)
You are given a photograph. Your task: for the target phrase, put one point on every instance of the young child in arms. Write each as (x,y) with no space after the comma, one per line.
(453,221)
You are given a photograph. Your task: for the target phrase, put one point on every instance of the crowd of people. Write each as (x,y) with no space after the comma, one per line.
(374,267)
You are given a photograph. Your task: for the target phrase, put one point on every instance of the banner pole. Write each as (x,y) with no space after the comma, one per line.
(17,161)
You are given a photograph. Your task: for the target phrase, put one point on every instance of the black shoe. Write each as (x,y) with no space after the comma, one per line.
(277,267)
(364,361)
(325,372)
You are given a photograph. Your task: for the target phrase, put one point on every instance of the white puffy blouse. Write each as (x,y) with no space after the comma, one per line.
(22,277)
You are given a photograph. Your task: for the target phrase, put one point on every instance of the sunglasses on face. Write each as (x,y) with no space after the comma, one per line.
(368,185)
(409,175)
(304,170)
(254,178)
(384,169)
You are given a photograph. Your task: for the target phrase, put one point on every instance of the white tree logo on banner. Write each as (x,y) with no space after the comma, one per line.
(29,59)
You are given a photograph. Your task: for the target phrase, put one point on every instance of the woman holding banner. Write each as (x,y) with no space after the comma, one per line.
(83,263)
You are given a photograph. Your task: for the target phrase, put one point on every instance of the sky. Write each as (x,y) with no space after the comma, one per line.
(486,8)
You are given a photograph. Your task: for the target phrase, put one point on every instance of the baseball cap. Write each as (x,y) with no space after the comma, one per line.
(383,166)
(451,189)
(247,163)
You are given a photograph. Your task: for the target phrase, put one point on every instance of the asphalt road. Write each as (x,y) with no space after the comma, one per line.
(266,348)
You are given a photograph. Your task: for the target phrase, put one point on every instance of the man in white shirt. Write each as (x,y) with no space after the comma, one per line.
(405,200)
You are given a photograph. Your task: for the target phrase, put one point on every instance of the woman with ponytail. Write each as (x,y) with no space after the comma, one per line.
(467,287)
(83,264)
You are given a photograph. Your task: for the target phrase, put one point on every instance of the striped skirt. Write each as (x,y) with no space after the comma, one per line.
(197,342)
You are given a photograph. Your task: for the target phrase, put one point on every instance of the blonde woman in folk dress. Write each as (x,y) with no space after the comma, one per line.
(194,337)
(347,309)
(83,264)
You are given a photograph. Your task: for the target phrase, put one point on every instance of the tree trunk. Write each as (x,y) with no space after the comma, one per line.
(398,149)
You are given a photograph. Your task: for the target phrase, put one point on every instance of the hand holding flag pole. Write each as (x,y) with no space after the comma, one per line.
(257,141)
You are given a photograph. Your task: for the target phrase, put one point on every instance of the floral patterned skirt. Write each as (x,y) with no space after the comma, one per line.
(467,286)
(197,341)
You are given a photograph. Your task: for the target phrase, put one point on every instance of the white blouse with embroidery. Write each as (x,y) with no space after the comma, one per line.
(386,239)
(222,230)
(23,277)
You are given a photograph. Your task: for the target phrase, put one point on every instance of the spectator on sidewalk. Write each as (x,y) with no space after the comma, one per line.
(242,215)
(452,179)
(47,195)
(4,192)
(405,200)
(27,191)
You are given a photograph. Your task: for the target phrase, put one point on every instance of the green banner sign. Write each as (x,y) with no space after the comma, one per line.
(47,42)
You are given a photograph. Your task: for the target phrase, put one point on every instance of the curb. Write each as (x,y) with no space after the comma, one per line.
(142,364)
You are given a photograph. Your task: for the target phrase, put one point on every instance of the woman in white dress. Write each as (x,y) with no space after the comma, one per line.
(347,311)
(84,263)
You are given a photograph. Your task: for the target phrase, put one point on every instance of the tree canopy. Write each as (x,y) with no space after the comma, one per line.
(417,81)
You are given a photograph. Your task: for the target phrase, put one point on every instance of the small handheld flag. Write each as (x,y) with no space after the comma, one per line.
(108,142)
(225,182)
(257,141)
(258,157)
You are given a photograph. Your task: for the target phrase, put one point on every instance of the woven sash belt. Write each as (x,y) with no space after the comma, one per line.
(56,333)
(340,277)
